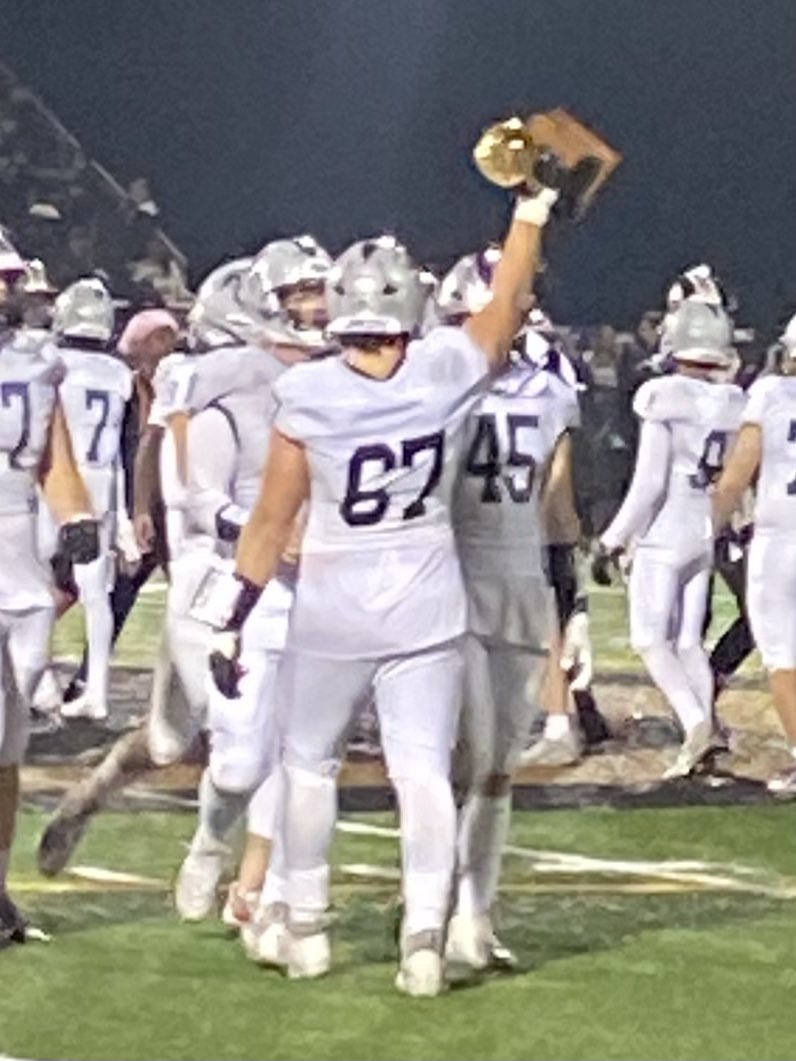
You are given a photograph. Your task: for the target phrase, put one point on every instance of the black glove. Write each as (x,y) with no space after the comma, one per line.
(79,541)
(225,667)
(603,564)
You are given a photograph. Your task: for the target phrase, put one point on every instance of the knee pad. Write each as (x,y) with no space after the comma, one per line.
(238,766)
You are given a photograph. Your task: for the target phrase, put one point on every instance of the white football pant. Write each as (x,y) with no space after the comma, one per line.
(418,699)
(667,614)
(771,598)
(501,701)
(24,654)
(94,583)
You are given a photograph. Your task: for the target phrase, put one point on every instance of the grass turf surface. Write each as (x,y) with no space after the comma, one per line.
(603,974)
(139,639)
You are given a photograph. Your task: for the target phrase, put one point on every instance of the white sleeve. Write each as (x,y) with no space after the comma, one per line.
(755,409)
(212,456)
(649,483)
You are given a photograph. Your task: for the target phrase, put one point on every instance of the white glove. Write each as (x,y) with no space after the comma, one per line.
(126,543)
(576,652)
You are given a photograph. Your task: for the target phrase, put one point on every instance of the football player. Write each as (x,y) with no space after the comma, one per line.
(35,448)
(94,394)
(511,437)
(372,441)
(227,445)
(764,452)
(688,423)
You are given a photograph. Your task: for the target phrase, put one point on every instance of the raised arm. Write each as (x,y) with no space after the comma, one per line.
(493,328)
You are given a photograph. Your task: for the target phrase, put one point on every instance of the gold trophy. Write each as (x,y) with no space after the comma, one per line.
(517,152)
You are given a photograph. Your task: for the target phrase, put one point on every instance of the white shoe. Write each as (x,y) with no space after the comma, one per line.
(553,751)
(265,939)
(85,707)
(694,749)
(196,888)
(420,974)
(48,697)
(240,907)
(468,941)
(308,957)
(783,783)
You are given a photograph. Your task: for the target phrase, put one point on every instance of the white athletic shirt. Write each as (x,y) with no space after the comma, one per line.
(379,572)
(29,375)
(93,394)
(688,426)
(771,405)
(509,439)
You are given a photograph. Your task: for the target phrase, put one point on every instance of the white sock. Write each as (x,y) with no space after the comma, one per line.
(556,727)
(91,581)
(668,673)
(428,847)
(310,802)
(483,830)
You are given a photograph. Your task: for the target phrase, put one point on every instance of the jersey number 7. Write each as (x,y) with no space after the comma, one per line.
(483,460)
(364,507)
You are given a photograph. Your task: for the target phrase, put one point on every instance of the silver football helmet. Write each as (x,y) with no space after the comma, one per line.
(281,268)
(699,332)
(84,310)
(218,317)
(467,287)
(785,348)
(375,289)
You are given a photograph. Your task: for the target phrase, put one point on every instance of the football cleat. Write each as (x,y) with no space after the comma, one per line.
(472,942)
(421,971)
(308,956)
(196,888)
(265,938)
(553,751)
(64,832)
(783,783)
(240,907)
(85,707)
(696,747)
(13,926)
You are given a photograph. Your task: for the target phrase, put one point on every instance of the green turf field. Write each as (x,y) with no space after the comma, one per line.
(628,961)
(139,638)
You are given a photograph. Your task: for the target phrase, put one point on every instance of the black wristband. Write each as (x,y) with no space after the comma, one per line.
(247,598)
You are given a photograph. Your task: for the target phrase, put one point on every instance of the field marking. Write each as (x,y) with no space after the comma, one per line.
(682,874)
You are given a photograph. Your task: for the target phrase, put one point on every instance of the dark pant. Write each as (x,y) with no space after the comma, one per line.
(736,643)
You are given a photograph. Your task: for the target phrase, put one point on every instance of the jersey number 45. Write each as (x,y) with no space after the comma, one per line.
(516,472)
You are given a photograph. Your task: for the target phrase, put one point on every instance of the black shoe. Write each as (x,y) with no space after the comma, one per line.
(74,689)
(13,926)
(592,723)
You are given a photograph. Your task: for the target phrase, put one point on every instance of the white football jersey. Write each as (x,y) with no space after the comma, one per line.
(94,394)
(699,421)
(509,440)
(171,384)
(28,380)
(771,405)
(379,570)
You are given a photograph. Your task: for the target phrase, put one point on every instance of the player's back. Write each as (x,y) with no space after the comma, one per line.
(702,419)
(772,406)
(29,375)
(28,379)
(509,439)
(379,568)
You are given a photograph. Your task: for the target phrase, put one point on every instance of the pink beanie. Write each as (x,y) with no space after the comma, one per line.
(141,326)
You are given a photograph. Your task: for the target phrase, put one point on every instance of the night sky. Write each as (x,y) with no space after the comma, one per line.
(256,118)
